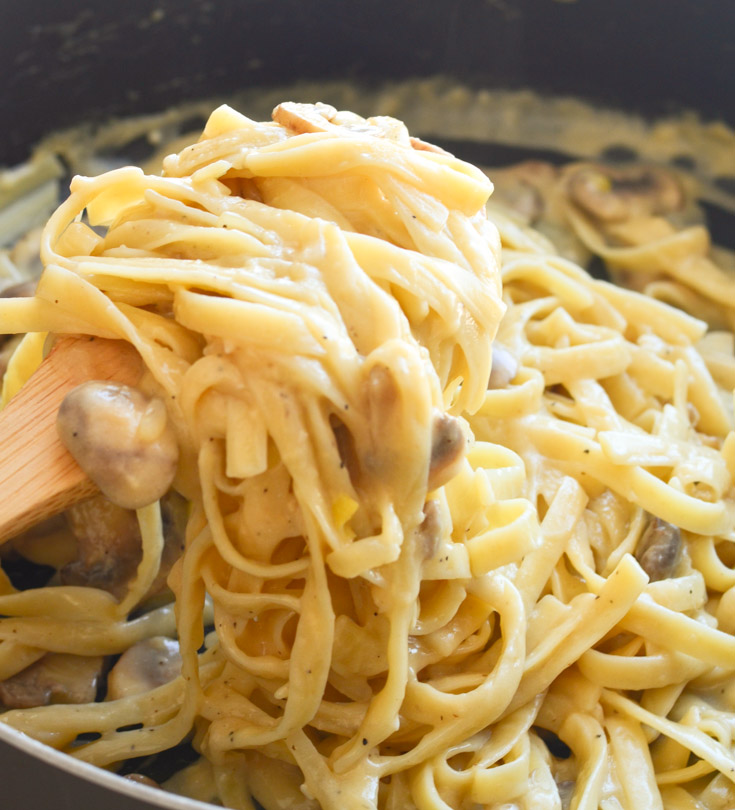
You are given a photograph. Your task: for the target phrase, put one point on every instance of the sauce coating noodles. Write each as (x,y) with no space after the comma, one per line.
(425,593)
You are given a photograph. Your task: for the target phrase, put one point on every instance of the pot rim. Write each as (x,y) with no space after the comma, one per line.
(95,775)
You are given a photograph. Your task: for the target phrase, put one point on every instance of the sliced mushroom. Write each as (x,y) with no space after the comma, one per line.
(319,117)
(659,549)
(55,678)
(382,398)
(23,289)
(7,347)
(617,194)
(174,517)
(430,529)
(143,667)
(122,439)
(345,447)
(524,188)
(109,543)
(504,368)
(447,449)
(376,458)
(26,254)
(426,146)
(301,118)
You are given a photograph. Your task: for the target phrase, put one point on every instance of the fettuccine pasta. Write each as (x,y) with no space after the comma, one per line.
(460,519)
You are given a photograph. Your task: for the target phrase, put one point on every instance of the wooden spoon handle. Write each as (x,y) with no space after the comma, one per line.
(38,476)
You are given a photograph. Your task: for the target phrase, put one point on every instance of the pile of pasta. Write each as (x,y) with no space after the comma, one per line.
(416,503)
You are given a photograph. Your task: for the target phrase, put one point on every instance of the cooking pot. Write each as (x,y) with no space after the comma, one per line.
(65,61)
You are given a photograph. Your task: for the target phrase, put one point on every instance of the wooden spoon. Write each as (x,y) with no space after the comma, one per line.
(38,476)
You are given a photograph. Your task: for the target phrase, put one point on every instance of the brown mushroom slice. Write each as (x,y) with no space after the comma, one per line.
(617,194)
(55,678)
(145,666)
(26,255)
(524,188)
(448,443)
(8,345)
(430,530)
(174,517)
(122,439)
(109,543)
(373,458)
(659,549)
(346,448)
(302,118)
(23,289)
(426,146)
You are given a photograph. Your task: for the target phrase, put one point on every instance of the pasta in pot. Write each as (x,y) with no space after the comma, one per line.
(443,571)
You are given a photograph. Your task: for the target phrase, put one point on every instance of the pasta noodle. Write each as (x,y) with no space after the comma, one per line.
(404,584)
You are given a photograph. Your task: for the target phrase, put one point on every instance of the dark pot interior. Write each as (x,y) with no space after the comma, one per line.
(63,62)
(66,61)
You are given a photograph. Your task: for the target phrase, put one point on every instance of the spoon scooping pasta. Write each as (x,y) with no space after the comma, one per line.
(38,476)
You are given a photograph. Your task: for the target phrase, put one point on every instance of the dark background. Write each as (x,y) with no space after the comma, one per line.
(66,60)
